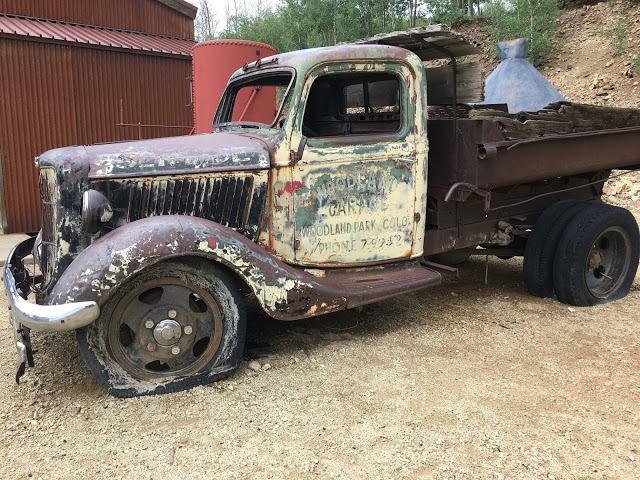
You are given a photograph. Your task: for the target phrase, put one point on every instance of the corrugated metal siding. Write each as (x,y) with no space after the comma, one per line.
(38,30)
(53,95)
(148,16)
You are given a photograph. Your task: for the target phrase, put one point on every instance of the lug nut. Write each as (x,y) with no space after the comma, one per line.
(188,329)
(173,314)
(148,324)
(152,347)
(175,350)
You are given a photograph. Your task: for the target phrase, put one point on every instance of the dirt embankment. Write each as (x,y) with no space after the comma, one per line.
(587,68)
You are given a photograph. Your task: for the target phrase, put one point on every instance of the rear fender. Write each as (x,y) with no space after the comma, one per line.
(285,293)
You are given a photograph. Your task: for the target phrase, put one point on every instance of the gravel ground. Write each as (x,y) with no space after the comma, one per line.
(464,380)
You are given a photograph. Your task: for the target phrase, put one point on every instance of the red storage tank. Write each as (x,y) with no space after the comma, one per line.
(213,63)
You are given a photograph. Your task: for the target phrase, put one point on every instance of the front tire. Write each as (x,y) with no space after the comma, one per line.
(172,327)
(597,258)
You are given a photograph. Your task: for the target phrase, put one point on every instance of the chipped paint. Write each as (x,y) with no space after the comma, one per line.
(291,213)
(347,216)
(229,150)
(360,195)
(290,188)
(358,198)
(283,291)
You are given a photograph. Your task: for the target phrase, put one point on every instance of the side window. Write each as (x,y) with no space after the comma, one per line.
(353,103)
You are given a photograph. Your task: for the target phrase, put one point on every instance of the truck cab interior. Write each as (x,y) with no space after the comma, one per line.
(352,103)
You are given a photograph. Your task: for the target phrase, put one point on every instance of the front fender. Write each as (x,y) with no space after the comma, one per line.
(284,292)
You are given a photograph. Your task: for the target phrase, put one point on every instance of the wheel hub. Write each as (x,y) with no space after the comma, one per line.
(595,259)
(165,327)
(607,262)
(167,332)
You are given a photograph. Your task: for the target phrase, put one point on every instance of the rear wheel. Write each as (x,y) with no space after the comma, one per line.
(597,257)
(174,326)
(540,250)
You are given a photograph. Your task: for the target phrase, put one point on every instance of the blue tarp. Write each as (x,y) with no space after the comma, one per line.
(517,83)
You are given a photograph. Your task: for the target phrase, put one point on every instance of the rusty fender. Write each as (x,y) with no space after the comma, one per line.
(285,293)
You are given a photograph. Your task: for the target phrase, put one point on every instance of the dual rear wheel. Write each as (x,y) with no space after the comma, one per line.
(584,253)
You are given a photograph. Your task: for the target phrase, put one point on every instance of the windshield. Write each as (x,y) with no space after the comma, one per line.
(256,99)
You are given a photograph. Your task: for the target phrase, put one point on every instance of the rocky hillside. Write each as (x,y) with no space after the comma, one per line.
(585,68)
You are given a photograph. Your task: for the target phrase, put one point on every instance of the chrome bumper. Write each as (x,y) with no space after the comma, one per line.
(47,318)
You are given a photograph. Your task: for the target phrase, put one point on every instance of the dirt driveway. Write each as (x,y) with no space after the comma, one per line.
(460,381)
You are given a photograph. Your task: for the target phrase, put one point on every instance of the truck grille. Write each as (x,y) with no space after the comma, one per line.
(49,222)
(222,199)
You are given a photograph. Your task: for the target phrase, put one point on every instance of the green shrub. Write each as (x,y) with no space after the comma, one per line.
(618,33)
(532,19)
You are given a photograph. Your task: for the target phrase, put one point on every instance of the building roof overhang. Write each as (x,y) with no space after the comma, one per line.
(181,6)
(40,30)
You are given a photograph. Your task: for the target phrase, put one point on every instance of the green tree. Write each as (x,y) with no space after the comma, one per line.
(297,24)
(447,11)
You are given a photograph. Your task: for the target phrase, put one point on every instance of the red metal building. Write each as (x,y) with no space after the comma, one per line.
(73,70)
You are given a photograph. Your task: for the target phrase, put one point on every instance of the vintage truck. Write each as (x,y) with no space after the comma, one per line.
(149,248)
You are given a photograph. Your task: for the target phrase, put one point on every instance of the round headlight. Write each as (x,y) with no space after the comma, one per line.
(96,210)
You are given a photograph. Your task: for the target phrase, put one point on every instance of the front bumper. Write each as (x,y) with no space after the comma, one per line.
(25,315)
(46,318)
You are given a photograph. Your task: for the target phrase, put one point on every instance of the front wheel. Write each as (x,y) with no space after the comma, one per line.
(597,257)
(174,326)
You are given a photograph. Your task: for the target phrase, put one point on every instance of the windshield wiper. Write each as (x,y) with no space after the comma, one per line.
(240,124)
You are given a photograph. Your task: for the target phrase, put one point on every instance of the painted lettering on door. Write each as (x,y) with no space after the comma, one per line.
(354,213)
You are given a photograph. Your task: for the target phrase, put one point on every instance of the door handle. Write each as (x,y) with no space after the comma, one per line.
(406,160)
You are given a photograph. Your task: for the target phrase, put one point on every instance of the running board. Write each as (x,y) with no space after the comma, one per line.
(368,285)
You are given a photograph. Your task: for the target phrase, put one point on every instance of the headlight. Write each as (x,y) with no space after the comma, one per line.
(96,211)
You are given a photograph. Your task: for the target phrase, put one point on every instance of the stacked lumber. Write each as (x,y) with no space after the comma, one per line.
(430,42)
(558,118)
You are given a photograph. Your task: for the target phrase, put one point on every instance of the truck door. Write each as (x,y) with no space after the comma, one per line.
(354,171)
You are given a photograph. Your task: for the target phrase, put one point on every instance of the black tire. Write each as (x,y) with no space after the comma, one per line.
(449,259)
(197,336)
(597,257)
(540,250)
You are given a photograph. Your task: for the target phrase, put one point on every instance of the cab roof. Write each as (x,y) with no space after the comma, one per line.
(313,56)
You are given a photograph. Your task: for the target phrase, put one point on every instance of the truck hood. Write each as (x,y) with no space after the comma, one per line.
(209,152)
